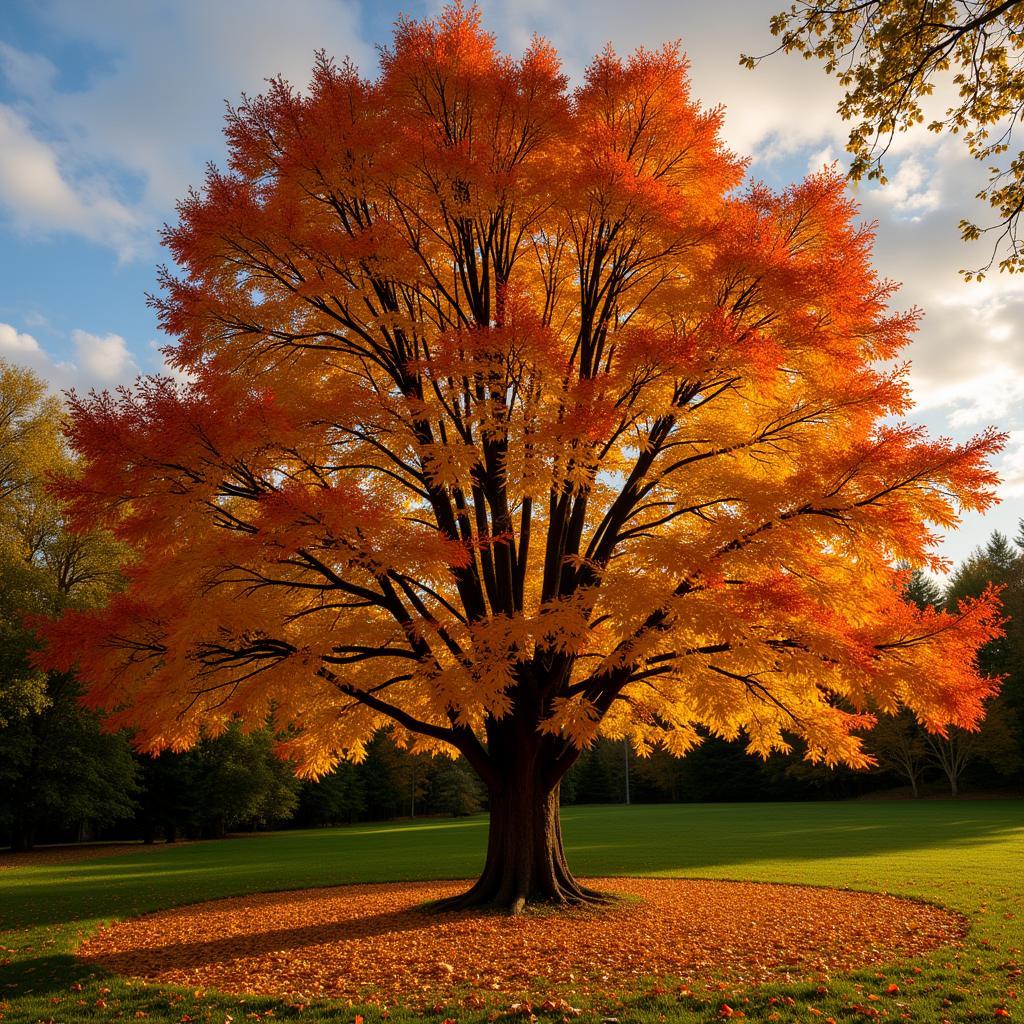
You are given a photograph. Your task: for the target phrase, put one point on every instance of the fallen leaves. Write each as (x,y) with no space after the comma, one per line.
(375,940)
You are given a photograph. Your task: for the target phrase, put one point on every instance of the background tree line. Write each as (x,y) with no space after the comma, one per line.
(63,778)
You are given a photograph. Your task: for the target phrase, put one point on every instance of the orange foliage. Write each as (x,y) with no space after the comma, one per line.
(509,406)
(341,942)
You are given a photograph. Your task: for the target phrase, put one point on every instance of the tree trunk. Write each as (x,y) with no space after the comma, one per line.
(24,835)
(525,861)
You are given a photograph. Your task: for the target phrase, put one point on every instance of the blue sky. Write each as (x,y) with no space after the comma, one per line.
(109,111)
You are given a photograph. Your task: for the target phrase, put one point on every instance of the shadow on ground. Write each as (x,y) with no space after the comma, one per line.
(723,840)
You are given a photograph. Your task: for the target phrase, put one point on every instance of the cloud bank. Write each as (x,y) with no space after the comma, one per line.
(102,151)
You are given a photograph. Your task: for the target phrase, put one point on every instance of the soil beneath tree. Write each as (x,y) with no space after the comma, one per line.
(359,941)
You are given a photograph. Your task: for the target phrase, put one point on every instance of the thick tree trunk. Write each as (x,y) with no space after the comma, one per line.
(525,861)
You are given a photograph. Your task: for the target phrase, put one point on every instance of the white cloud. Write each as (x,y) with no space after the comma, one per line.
(30,180)
(103,357)
(38,198)
(822,159)
(101,361)
(33,318)
(912,190)
(15,345)
(23,349)
(127,144)
(1012,466)
(781,109)
(26,71)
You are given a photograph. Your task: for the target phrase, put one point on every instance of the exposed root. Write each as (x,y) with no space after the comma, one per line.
(483,896)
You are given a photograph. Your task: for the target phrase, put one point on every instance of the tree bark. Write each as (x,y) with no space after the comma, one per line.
(525,861)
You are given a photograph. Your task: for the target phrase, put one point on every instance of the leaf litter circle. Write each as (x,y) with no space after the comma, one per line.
(376,943)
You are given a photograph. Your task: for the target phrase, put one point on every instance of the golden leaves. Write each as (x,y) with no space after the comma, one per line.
(506,394)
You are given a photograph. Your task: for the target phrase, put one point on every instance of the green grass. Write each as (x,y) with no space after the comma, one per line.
(968,856)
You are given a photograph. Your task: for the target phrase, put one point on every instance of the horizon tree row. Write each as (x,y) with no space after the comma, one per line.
(62,778)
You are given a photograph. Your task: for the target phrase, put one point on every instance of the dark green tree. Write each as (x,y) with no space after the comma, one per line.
(57,769)
(395,781)
(335,799)
(923,590)
(60,772)
(240,783)
(997,745)
(169,795)
(454,789)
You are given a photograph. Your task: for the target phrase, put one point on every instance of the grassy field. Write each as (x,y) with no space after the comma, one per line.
(968,856)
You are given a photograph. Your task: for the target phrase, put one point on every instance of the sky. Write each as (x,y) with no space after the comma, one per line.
(110,110)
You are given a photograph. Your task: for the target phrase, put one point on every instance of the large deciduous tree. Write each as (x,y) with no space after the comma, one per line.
(511,419)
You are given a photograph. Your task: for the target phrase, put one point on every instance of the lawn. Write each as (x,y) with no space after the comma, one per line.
(966,855)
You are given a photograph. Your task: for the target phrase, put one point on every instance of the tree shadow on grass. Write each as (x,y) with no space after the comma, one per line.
(42,975)
(701,838)
(600,840)
(45,974)
(142,960)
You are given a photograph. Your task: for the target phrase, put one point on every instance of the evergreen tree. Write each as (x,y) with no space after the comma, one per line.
(455,789)
(337,798)
(395,781)
(923,590)
(997,745)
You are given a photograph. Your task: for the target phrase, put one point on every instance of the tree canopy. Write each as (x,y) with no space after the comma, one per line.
(889,55)
(512,418)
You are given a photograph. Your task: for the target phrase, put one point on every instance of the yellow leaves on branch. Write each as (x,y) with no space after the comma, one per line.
(509,407)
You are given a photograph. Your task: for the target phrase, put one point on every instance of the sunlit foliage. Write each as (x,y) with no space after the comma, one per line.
(514,417)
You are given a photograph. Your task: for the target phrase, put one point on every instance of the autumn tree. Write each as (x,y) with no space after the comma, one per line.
(897,742)
(56,766)
(890,55)
(511,421)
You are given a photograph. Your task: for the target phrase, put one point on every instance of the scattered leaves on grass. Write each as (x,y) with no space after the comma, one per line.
(376,940)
